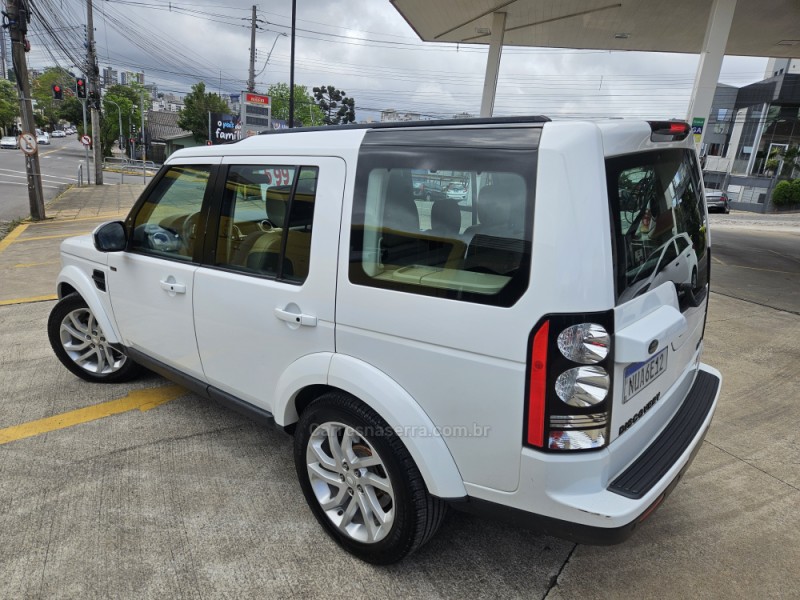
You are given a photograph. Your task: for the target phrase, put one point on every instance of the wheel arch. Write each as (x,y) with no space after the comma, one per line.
(73,280)
(388,399)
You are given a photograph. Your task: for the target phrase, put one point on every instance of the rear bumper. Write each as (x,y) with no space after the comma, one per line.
(610,515)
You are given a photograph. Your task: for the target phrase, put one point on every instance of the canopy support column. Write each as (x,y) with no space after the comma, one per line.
(493,64)
(710,65)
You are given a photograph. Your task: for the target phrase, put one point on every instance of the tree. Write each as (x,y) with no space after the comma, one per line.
(42,92)
(305,108)
(71,111)
(336,107)
(9,105)
(196,106)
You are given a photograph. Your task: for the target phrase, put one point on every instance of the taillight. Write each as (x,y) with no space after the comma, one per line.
(568,402)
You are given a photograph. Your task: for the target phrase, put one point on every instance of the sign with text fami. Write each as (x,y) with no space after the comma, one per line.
(256,113)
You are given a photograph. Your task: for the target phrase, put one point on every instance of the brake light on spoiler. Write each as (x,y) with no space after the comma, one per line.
(669,131)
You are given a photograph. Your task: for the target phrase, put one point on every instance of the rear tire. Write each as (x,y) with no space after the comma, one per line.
(360,481)
(81,345)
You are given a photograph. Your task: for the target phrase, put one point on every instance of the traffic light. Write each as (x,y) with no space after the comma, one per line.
(80,84)
(58,93)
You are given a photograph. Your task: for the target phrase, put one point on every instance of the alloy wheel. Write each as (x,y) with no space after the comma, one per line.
(86,345)
(350,482)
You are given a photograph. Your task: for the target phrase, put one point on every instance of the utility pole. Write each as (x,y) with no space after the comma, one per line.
(94,96)
(251,81)
(18,18)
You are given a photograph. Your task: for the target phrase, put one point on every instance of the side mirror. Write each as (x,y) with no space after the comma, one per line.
(110,237)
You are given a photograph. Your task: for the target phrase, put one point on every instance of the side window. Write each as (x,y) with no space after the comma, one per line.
(265,222)
(166,224)
(461,234)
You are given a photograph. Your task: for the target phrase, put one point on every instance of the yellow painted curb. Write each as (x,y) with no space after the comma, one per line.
(13,235)
(28,300)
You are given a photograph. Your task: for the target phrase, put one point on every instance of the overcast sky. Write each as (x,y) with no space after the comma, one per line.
(366,48)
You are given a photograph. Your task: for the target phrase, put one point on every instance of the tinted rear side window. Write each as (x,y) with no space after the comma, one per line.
(451,222)
(657,211)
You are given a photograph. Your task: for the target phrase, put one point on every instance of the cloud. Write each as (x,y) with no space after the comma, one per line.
(366,48)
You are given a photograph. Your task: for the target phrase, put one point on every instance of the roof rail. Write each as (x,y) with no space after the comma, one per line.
(411,124)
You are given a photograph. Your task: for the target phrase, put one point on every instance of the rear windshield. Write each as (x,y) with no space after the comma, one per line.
(657,211)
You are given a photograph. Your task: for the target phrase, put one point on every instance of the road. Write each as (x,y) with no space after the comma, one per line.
(757,265)
(59,163)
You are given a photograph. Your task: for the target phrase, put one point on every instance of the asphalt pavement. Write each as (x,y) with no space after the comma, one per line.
(144,490)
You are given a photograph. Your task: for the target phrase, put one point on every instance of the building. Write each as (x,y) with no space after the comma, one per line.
(750,129)
(391,115)
(168,103)
(5,54)
(164,136)
(110,77)
(128,77)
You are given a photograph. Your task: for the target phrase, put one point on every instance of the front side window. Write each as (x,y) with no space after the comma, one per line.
(265,222)
(659,220)
(166,223)
(452,226)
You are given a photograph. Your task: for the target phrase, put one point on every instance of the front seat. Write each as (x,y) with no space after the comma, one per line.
(445,218)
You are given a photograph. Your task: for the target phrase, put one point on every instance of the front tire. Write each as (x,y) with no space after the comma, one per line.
(360,481)
(81,345)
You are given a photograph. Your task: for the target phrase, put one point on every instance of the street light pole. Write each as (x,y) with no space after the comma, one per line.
(119,113)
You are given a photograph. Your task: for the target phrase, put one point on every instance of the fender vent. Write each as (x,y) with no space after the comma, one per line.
(99,279)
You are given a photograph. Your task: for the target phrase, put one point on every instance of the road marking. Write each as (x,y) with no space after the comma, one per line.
(62,220)
(761,269)
(28,300)
(37,264)
(49,237)
(9,239)
(52,187)
(142,399)
(24,175)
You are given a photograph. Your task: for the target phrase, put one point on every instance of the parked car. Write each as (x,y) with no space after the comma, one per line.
(9,142)
(457,192)
(432,190)
(717,200)
(58,133)
(498,366)
(43,138)
(674,261)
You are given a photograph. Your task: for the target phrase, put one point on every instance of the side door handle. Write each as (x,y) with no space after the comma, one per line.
(173,286)
(296,319)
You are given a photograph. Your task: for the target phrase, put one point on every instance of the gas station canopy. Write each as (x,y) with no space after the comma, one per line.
(769,28)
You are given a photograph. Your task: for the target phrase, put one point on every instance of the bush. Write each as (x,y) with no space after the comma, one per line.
(786,193)
(796,191)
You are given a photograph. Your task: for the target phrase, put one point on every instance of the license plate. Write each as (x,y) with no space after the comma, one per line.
(639,375)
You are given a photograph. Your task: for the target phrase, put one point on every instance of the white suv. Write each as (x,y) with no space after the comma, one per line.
(497,355)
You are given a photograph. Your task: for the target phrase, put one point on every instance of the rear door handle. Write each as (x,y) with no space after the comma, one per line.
(296,318)
(173,286)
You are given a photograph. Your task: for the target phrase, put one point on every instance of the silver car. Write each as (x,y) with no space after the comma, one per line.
(10,142)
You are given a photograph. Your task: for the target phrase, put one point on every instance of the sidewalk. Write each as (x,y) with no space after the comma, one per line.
(29,255)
